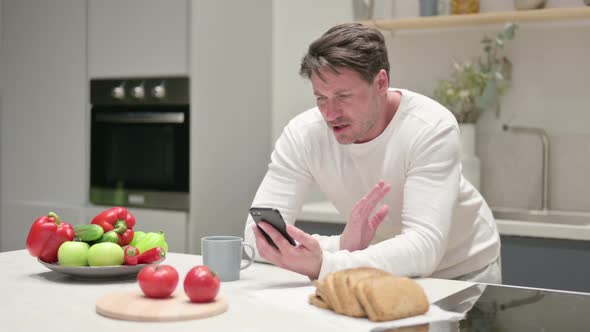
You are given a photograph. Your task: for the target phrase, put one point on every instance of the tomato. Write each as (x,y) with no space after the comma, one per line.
(201,284)
(158,281)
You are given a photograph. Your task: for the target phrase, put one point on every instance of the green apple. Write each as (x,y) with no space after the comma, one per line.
(105,254)
(73,253)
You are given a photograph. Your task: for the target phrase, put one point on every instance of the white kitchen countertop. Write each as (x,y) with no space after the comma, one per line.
(325,212)
(37,299)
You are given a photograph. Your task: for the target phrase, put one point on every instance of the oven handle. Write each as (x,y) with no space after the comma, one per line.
(151,117)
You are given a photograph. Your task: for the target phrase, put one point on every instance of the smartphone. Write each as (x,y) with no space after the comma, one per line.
(273,217)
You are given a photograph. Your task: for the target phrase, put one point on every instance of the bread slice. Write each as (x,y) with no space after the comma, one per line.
(340,291)
(329,293)
(361,295)
(344,285)
(320,292)
(318,302)
(387,298)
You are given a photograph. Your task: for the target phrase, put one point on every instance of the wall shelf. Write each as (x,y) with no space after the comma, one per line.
(451,21)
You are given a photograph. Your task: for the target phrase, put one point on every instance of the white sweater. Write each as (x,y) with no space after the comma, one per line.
(438,224)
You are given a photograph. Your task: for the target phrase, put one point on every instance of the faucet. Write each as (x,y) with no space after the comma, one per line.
(545,141)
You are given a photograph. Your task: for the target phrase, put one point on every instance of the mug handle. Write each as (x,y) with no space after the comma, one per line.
(250,257)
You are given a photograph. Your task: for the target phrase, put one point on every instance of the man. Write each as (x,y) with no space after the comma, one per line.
(367,144)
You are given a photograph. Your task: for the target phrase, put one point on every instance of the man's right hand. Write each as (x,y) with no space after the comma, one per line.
(306,258)
(360,229)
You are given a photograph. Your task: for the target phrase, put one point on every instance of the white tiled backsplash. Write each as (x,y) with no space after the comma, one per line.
(549,90)
(512,170)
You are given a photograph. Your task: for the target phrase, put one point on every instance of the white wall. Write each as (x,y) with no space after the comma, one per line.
(295,25)
(549,90)
(231,53)
(1,94)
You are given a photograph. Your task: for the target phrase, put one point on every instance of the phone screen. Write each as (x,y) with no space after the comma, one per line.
(273,217)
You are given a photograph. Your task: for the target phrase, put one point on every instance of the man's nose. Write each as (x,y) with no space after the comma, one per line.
(333,110)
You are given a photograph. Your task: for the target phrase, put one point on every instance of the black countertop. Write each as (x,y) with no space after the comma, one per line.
(510,308)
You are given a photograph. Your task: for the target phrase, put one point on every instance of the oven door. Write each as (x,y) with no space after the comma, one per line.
(140,156)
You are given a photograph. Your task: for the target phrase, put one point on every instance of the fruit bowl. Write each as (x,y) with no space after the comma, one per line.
(97,272)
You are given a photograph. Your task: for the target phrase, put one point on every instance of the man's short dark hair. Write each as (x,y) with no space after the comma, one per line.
(350,45)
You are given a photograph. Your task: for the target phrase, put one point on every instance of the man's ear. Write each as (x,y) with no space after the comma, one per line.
(382,81)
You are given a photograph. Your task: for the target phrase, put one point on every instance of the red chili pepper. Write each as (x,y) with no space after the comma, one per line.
(131,255)
(118,219)
(152,255)
(46,235)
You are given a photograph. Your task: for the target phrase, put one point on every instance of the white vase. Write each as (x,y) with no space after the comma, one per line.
(470,163)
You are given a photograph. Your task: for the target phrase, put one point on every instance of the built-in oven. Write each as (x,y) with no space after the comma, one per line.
(139,145)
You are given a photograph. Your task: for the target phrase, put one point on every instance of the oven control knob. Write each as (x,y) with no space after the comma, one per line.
(159,91)
(118,92)
(138,92)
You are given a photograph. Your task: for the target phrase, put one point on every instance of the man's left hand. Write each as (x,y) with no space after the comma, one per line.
(305,258)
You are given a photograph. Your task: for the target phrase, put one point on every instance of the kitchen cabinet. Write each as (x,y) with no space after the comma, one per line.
(137,38)
(44,127)
(546,263)
(172,223)
(320,228)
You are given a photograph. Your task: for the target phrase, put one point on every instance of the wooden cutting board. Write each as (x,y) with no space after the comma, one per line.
(136,307)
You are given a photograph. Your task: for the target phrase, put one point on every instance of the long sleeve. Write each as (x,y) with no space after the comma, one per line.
(286,184)
(429,195)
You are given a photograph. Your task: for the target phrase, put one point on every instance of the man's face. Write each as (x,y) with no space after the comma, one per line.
(349,105)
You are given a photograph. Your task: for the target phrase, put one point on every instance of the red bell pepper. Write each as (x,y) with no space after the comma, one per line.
(118,219)
(131,255)
(46,235)
(151,256)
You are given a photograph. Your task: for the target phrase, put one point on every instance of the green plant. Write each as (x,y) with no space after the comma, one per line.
(476,86)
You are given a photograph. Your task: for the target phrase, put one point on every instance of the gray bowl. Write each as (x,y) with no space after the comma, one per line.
(98,272)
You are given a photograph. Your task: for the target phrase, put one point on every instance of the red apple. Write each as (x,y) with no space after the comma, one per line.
(201,284)
(158,281)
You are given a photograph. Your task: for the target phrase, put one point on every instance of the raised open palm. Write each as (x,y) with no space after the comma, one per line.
(361,227)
